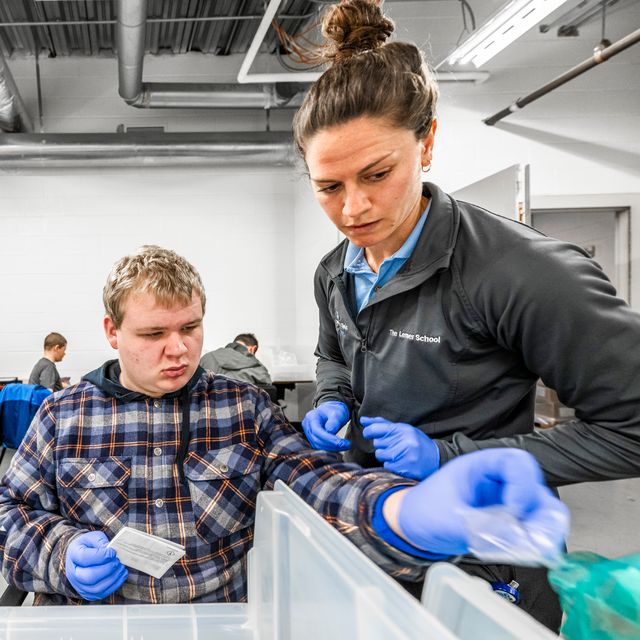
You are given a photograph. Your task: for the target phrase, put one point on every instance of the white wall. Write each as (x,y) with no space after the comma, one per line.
(62,231)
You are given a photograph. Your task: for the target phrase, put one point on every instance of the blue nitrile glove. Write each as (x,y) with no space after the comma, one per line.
(402,448)
(434,515)
(93,569)
(322,423)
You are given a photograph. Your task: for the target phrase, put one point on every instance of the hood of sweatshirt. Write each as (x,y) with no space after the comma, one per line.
(107,378)
(235,357)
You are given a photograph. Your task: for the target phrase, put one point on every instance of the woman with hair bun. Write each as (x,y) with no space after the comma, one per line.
(437,317)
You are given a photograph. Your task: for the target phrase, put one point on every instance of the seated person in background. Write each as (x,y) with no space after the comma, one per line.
(238,361)
(45,372)
(152,441)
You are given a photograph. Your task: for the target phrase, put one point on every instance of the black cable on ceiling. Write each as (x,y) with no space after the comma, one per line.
(466,8)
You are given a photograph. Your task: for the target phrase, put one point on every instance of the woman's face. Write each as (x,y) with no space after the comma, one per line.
(366,174)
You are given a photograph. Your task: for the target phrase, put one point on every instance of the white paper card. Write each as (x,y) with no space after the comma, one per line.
(145,552)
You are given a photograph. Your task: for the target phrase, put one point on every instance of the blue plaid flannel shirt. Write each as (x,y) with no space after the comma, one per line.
(91,461)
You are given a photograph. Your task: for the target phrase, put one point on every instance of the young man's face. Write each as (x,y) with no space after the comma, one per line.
(159,347)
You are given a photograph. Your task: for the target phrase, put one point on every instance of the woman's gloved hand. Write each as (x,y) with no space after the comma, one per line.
(402,448)
(93,569)
(322,423)
(435,514)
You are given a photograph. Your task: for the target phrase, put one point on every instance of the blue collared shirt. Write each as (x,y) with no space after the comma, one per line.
(365,279)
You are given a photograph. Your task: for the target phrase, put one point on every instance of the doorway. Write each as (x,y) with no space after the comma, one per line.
(603,232)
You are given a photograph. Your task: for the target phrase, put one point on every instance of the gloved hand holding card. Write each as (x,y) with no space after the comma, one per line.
(145,552)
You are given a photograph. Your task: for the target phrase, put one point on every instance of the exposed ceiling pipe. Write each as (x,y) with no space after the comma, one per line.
(145,149)
(181,95)
(187,19)
(250,93)
(599,56)
(568,23)
(130,35)
(130,40)
(14,116)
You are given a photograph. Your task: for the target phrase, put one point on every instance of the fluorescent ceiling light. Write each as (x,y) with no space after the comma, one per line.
(501,30)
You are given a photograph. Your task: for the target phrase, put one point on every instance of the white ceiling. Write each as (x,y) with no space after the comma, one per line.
(437,25)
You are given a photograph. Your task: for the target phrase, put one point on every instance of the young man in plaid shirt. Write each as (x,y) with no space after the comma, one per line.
(154,442)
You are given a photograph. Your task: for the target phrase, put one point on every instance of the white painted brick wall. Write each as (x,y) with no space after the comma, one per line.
(62,231)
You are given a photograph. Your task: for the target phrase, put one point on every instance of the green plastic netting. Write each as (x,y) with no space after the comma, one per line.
(600,596)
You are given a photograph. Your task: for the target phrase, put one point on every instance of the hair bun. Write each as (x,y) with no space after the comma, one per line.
(354,26)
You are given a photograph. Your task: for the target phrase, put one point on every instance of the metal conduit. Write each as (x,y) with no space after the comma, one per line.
(598,57)
(14,116)
(178,95)
(70,23)
(130,35)
(226,149)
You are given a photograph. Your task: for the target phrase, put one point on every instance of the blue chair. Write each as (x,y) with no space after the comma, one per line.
(18,405)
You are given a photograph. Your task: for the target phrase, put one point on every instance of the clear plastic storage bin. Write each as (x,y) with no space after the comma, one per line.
(306,582)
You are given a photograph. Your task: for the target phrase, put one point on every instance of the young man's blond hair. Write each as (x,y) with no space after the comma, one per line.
(151,269)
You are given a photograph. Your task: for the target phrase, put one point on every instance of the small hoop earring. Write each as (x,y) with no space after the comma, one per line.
(426,167)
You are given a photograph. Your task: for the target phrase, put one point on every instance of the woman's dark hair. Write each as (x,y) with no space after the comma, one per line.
(367,76)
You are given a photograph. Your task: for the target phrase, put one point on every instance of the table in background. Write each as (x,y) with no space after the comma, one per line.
(297,396)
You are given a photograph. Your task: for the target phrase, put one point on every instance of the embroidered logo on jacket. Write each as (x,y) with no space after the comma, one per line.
(415,337)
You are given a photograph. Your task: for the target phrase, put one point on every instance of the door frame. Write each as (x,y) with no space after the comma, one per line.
(622,248)
(505,192)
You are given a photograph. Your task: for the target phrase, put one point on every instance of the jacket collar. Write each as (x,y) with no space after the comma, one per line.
(434,248)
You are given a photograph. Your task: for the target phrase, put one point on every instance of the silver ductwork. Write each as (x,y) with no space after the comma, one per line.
(130,39)
(130,34)
(14,116)
(269,149)
(178,95)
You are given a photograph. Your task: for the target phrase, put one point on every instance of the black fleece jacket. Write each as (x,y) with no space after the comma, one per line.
(455,343)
